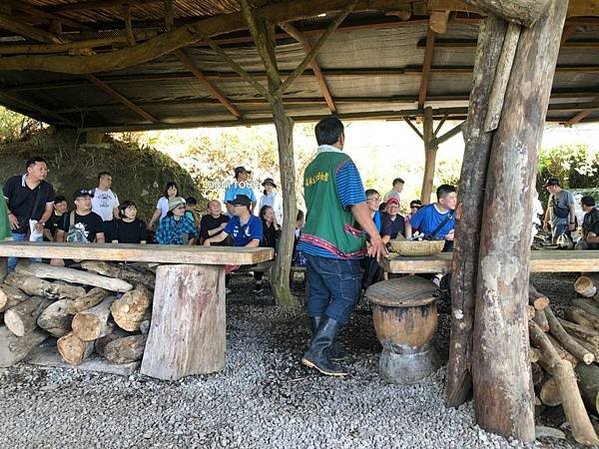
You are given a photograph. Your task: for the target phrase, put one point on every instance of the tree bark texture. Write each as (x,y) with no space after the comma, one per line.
(187,335)
(503,390)
(522,12)
(13,349)
(470,210)
(430,156)
(22,318)
(55,319)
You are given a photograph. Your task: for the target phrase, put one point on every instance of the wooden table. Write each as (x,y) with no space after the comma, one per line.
(188,331)
(561,261)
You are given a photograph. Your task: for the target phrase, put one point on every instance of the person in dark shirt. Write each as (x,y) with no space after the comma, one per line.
(60,207)
(129,229)
(393,224)
(590,224)
(30,201)
(80,225)
(270,237)
(213,223)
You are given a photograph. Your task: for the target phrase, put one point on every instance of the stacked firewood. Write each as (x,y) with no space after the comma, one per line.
(564,357)
(78,307)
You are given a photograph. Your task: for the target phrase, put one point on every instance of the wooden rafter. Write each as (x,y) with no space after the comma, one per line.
(583,114)
(113,93)
(184,36)
(23,29)
(322,83)
(426,66)
(169,15)
(197,73)
(20,5)
(128,24)
(567,33)
(101,4)
(24,49)
(449,134)
(471,44)
(26,104)
(408,120)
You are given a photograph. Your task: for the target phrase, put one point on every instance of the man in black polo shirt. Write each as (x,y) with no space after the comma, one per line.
(30,201)
(213,223)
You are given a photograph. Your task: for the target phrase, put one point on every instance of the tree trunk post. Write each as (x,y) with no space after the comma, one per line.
(282,269)
(3,268)
(503,390)
(430,155)
(188,331)
(470,210)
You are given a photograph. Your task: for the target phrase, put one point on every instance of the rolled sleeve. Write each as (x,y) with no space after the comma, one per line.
(349,185)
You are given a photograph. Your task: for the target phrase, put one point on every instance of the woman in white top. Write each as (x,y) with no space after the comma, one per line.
(271,198)
(170,191)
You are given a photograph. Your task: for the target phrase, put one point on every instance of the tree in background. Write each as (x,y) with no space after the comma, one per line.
(576,166)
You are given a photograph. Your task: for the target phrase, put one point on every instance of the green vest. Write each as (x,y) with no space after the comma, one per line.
(4,223)
(328,225)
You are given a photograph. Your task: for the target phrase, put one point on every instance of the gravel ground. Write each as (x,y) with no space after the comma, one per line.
(263,399)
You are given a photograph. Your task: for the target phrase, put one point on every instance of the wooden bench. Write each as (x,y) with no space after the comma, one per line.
(540,262)
(187,335)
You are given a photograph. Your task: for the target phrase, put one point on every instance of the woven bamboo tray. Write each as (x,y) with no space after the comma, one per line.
(411,248)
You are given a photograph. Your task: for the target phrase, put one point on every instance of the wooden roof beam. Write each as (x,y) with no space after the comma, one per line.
(23,29)
(113,93)
(28,105)
(99,4)
(20,5)
(426,66)
(184,36)
(189,64)
(322,83)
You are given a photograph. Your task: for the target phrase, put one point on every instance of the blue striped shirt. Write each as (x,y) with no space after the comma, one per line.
(350,191)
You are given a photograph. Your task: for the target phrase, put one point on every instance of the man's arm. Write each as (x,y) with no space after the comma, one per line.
(255,243)
(39,227)
(100,237)
(572,217)
(58,237)
(48,235)
(216,239)
(361,213)
(409,230)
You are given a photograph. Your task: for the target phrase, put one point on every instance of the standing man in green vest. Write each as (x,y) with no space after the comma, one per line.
(334,243)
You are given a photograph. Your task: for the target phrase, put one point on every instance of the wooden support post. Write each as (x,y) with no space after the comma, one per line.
(263,35)
(438,21)
(430,156)
(503,390)
(187,335)
(470,210)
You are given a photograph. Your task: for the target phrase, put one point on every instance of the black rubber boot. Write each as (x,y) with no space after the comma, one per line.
(318,355)
(337,352)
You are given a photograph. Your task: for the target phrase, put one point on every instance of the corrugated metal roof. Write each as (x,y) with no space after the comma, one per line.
(168,91)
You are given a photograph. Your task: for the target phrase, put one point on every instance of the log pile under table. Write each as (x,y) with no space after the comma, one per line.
(102,308)
(565,356)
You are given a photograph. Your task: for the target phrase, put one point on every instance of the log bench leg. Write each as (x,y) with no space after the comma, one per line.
(187,334)
(3,268)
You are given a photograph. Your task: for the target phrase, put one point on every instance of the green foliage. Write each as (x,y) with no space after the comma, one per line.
(139,173)
(15,127)
(575,165)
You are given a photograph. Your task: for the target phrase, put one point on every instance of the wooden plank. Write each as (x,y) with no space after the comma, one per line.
(540,262)
(200,255)
(117,95)
(189,64)
(126,8)
(48,357)
(426,66)
(20,5)
(188,331)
